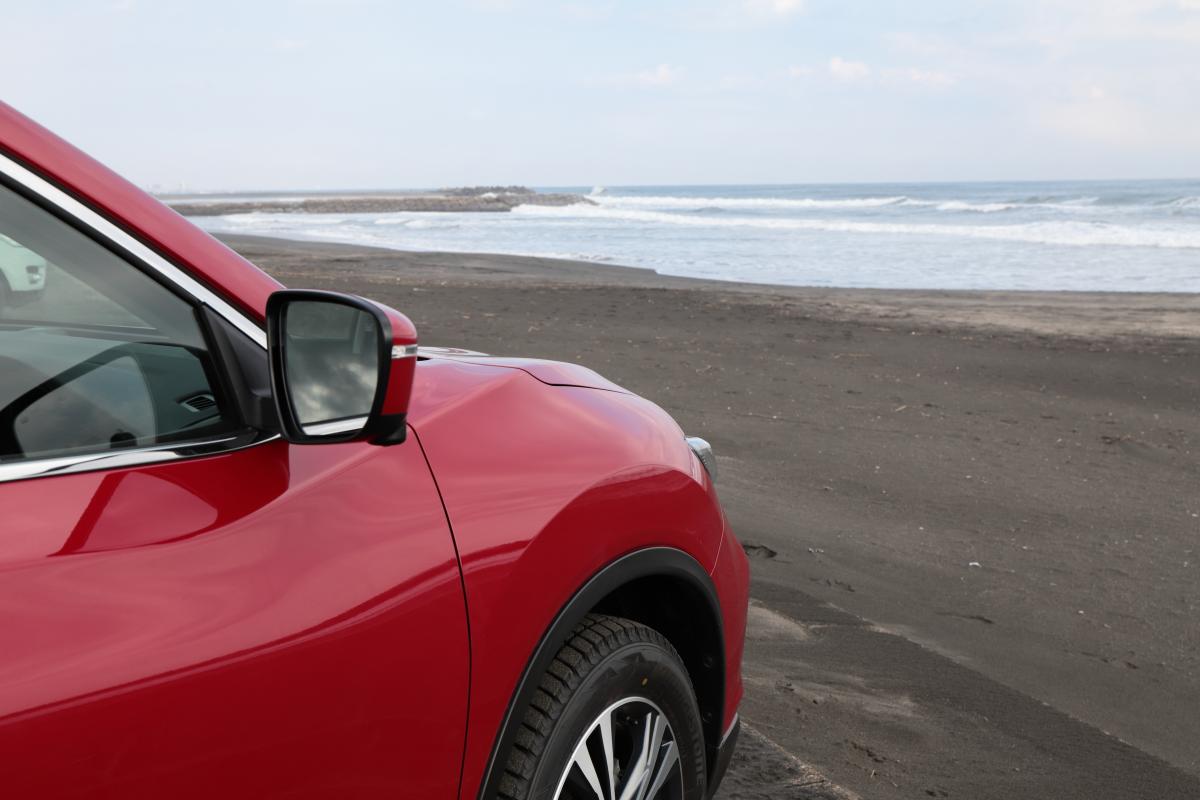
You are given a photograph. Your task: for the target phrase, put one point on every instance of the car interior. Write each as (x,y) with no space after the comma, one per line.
(106,358)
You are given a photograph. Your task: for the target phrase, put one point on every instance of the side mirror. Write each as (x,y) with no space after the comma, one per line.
(341,367)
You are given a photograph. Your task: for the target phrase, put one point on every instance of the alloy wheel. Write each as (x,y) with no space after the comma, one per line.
(628,753)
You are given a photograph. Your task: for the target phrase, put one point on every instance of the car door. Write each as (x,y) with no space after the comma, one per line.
(189,606)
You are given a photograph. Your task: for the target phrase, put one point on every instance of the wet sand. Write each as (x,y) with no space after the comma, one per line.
(974,518)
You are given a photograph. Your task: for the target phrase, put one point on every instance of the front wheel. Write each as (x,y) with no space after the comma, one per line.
(614,717)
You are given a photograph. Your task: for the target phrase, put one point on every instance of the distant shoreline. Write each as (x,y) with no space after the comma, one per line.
(467,199)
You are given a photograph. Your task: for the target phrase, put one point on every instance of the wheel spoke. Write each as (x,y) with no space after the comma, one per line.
(623,756)
(599,776)
(610,760)
(654,773)
(652,752)
(582,759)
(637,772)
(667,756)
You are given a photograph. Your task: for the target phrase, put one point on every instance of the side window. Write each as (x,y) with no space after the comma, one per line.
(95,355)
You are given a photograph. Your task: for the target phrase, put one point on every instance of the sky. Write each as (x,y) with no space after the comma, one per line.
(317,94)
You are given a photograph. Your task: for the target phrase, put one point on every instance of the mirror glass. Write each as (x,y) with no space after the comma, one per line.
(331,363)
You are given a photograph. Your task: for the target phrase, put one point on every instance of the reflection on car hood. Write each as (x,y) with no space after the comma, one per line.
(552,373)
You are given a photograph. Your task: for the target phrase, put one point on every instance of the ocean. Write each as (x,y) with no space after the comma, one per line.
(1139,236)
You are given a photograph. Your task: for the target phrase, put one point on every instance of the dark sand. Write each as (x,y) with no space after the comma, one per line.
(974,517)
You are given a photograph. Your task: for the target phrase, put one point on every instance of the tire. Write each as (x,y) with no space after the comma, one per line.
(622,676)
(5,292)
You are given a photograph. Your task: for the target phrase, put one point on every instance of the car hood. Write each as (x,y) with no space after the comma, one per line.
(551,373)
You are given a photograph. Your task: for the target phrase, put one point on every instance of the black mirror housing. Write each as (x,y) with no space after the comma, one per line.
(342,367)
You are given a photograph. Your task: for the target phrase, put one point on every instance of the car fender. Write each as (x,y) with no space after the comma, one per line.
(544,487)
(648,562)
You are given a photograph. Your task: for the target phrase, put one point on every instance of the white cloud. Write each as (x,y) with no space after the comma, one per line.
(736,81)
(930,78)
(658,77)
(780,8)
(848,71)
(924,44)
(799,71)
(1104,117)
(286,45)
(1070,22)
(662,75)
(588,11)
(1100,120)
(841,69)
(735,15)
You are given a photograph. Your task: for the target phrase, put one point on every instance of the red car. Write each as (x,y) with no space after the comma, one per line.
(255,542)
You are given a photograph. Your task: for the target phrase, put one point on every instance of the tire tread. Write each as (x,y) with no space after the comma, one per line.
(594,638)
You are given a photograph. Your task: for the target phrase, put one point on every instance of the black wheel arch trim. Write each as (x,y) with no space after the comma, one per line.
(667,562)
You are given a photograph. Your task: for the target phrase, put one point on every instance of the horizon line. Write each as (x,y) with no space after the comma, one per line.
(539,187)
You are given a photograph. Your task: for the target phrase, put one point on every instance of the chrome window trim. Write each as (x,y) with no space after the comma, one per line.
(336,426)
(116,459)
(102,227)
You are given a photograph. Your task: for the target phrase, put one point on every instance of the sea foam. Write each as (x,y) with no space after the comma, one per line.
(651,201)
(1070,232)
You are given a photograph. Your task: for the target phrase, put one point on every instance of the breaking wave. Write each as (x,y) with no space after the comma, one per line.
(1185,202)
(693,203)
(684,203)
(1074,233)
